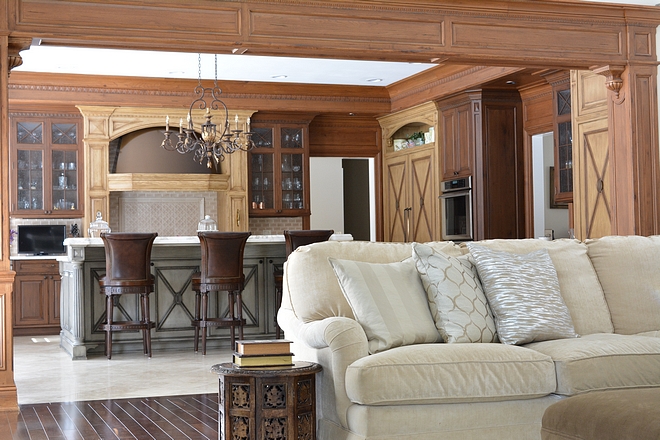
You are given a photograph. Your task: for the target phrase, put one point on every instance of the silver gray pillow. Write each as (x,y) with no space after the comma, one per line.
(524,296)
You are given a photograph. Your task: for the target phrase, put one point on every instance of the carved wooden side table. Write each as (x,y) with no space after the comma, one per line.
(269,403)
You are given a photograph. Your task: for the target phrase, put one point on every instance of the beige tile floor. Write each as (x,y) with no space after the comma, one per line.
(43,373)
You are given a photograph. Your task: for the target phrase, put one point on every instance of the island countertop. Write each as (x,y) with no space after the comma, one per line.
(174,260)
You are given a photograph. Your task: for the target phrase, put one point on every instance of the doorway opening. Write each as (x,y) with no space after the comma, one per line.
(547,216)
(342,193)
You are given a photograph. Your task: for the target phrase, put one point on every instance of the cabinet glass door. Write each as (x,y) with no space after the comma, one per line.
(263,170)
(30,176)
(292,181)
(64,179)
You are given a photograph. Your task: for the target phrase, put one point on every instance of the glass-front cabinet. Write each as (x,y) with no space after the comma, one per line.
(46,176)
(279,177)
(563,134)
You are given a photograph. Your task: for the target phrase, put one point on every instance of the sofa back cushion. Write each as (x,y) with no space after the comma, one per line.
(578,282)
(628,269)
(311,288)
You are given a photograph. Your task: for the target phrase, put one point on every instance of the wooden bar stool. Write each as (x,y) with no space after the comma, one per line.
(221,270)
(127,271)
(293,240)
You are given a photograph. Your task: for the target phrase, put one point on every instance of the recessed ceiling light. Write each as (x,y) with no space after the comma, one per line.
(511,83)
(375,80)
(279,76)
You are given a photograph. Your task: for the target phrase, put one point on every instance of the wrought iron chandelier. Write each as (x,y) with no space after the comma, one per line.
(208,143)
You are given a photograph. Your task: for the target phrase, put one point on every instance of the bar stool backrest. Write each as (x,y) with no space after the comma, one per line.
(295,239)
(128,256)
(222,256)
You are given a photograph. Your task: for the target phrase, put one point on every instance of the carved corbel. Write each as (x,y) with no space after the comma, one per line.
(612,74)
(14,47)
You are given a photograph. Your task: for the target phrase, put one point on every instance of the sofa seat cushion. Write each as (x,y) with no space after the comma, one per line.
(447,373)
(603,361)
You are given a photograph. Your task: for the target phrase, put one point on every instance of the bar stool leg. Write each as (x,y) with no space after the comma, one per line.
(146,333)
(197,319)
(278,302)
(239,314)
(232,317)
(202,323)
(109,307)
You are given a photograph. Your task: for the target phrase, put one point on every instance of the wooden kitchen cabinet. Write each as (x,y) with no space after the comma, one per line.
(36,297)
(410,196)
(279,169)
(410,177)
(482,137)
(45,170)
(563,137)
(457,132)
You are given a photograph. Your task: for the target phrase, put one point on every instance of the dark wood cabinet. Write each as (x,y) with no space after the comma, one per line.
(563,138)
(483,138)
(279,169)
(46,172)
(457,132)
(36,298)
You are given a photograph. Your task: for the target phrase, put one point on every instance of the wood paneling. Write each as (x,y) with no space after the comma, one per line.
(592,185)
(344,136)
(552,32)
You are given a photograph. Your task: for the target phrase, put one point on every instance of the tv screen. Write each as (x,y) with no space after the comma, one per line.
(41,239)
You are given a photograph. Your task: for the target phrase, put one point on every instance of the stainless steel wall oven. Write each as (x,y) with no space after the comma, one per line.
(456,203)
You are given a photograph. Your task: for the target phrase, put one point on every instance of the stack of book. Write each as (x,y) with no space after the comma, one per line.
(263,353)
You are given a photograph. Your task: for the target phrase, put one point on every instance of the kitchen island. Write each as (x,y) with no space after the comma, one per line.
(174,261)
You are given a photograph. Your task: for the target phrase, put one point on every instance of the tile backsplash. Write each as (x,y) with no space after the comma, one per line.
(274,225)
(168,213)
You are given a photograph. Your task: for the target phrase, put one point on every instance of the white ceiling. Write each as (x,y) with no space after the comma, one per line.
(230,66)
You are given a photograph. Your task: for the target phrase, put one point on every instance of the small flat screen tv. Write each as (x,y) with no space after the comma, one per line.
(41,239)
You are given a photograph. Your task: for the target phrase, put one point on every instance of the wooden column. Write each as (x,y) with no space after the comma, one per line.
(633,147)
(9,58)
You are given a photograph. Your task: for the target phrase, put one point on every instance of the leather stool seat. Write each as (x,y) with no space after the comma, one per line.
(127,271)
(221,270)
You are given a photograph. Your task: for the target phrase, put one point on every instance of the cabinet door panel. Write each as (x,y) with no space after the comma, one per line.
(30,300)
(595,197)
(422,197)
(395,202)
(54,301)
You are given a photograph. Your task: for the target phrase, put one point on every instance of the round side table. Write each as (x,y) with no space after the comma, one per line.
(267,403)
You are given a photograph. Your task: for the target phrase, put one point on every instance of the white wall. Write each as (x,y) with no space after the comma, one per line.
(326,188)
(545,217)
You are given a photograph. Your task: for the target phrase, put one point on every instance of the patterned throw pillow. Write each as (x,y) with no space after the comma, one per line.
(523,293)
(457,302)
(388,300)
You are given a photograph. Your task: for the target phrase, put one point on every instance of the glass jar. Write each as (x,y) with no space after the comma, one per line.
(207,224)
(97,227)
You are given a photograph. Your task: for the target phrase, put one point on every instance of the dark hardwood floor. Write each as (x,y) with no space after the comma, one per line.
(156,418)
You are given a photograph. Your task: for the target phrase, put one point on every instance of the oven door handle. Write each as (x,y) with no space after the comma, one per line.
(451,194)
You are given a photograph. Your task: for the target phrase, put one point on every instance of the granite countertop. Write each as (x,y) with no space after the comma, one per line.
(161,241)
(193,239)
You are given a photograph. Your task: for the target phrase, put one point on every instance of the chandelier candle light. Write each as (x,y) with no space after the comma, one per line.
(208,144)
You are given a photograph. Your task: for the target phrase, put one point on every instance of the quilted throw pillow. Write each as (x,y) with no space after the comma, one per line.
(388,300)
(457,302)
(523,293)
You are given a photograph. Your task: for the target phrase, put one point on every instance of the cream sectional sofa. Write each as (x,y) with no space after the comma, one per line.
(436,390)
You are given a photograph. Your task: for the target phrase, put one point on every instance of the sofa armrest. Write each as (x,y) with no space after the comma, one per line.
(334,343)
